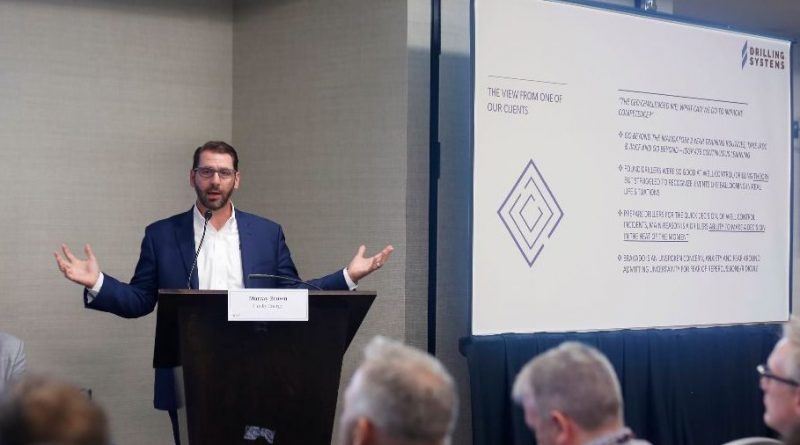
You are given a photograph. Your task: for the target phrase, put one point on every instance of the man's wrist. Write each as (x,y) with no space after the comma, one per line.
(352,284)
(97,285)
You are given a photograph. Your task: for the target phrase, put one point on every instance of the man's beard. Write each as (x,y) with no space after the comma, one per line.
(224,197)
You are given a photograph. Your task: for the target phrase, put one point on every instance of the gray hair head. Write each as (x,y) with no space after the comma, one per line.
(791,334)
(575,379)
(404,392)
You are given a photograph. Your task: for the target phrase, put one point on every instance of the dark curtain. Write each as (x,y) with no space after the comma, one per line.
(695,386)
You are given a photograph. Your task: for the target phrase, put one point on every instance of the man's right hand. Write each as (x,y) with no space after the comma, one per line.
(84,272)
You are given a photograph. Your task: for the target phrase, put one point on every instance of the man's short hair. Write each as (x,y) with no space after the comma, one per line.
(574,379)
(216,147)
(404,392)
(791,332)
(39,410)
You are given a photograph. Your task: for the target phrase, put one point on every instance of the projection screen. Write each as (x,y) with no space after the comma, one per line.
(628,171)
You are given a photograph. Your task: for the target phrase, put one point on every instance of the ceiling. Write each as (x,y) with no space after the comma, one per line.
(774,17)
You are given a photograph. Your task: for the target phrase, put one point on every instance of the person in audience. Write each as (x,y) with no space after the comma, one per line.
(38,410)
(780,381)
(399,395)
(571,396)
(12,360)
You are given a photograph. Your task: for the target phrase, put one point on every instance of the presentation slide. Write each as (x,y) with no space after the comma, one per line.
(629,171)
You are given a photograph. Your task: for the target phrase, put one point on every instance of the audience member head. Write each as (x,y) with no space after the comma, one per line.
(42,411)
(399,395)
(780,381)
(570,395)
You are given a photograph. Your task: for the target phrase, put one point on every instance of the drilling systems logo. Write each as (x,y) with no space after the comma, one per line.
(761,57)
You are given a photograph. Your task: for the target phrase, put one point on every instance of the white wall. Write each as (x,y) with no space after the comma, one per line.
(330,117)
(101,106)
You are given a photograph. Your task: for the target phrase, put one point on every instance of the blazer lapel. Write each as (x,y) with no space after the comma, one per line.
(184,235)
(246,245)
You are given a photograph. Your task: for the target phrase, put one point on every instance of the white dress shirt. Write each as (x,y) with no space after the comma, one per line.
(219,264)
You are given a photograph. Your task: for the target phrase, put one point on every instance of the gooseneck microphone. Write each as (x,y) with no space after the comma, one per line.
(206,217)
(262,276)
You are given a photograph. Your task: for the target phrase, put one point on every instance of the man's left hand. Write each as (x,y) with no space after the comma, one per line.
(361,266)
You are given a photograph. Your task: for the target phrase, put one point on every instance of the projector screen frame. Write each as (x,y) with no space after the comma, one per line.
(652,15)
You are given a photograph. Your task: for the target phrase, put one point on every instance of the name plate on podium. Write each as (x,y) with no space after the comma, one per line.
(268,305)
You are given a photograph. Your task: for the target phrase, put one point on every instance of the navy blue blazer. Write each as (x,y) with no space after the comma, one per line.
(166,256)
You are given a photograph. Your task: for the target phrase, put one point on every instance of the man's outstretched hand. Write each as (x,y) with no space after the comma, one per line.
(84,272)
(361,266)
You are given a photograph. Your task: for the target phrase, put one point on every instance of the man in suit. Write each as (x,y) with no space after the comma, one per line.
(235,244)
(399,395)
(571,396)
(12,360)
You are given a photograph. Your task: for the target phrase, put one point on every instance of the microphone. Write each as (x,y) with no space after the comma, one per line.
(206,217)
(262,276)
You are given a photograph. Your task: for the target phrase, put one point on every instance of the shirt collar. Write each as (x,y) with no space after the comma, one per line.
(199,219)
(621,436)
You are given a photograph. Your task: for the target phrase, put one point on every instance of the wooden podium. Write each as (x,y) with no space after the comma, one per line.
(262,382)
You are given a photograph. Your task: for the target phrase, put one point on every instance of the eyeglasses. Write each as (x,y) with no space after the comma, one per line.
(208,172)
(764,371)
